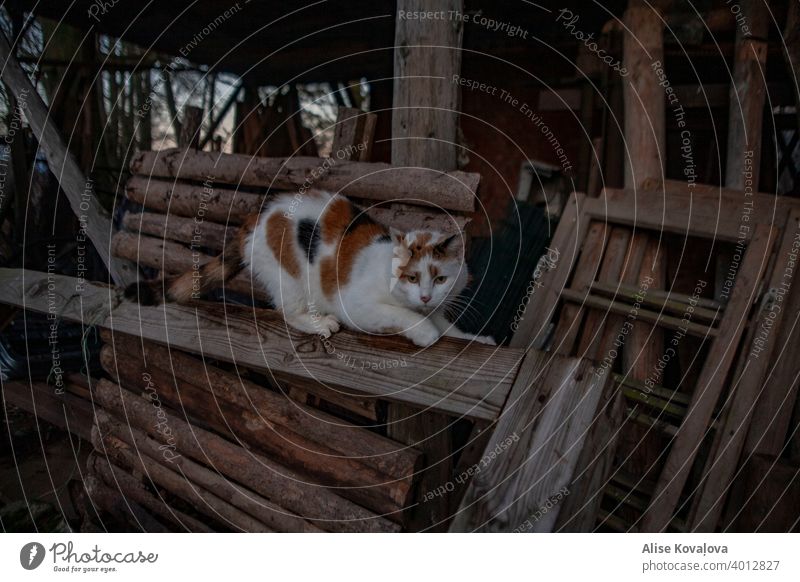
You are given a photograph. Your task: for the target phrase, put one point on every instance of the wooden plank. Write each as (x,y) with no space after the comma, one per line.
(533,453)
(653,211)
(453,190)
(745,392)
(712,380)
(452,377)
(596,464)
(66,411)
(426,102)
(532,329)
(95,221)
(771,502)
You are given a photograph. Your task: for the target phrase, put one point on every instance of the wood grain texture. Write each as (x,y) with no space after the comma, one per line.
(453,190)
(533,453)
(452,377)
(426,99)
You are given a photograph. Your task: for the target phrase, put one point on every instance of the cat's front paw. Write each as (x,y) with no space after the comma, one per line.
(424,334)
(327,326)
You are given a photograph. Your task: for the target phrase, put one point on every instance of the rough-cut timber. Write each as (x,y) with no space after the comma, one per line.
(452,190)
(201,234)
(209,202)
(452,376)
(273,409)
(279,484)
(151,451)
(198,401)
(747,94)
(131,488)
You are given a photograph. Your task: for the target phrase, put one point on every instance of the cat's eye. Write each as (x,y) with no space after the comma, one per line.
(440,279)
(411,278)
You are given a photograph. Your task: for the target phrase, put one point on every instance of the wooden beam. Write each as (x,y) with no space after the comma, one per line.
(78,190)
(474,380)
(373,181)
(189,137)
(426,99)
(353,135)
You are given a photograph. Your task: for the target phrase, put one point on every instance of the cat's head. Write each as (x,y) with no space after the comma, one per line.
(428,268)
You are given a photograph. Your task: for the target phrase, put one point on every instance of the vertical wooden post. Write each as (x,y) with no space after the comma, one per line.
(747,94)
(190,127)
(426,100)
(424,130)
(644,99)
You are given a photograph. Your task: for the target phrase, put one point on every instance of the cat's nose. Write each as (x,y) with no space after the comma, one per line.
(425,298)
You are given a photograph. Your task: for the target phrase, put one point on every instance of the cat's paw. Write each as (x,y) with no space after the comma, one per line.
(424,334)
(327,326)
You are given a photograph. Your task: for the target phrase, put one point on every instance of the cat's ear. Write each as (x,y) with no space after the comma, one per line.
(450,245)
(398,237)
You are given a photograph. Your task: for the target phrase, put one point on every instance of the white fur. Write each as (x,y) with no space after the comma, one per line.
(368,302)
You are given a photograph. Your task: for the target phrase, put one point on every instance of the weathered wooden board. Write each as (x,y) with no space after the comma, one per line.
(532,457)
(452,376)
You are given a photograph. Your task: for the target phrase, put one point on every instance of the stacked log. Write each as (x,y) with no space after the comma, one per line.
(231,447)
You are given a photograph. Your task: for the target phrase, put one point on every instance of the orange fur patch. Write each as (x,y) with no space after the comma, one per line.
(336,219)
(279,239)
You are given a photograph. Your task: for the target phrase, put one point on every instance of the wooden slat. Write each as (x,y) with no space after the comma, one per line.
(353,134)
(452,377)
(454,190)
(534,450)
(712,380)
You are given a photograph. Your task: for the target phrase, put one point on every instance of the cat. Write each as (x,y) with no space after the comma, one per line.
(325,263)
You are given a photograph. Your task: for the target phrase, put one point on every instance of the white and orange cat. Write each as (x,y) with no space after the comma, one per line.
(325,263)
